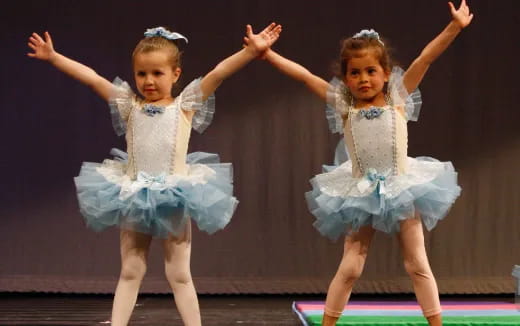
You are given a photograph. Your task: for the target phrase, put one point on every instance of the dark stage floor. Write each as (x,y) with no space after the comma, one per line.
(73,310)
(39,309)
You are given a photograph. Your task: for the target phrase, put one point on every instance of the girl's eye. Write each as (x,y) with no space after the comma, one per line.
(354,73)
(157,73)
(140,73)
(371,71)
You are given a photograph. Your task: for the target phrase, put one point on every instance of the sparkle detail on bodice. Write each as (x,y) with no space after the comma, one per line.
(373,133)
(153,139)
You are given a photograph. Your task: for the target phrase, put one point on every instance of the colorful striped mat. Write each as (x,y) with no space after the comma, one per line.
(395,313)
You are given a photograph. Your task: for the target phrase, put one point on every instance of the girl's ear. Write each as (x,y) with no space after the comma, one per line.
(387,76)
(176,74)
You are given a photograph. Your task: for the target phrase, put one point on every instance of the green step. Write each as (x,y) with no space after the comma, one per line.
(315,320)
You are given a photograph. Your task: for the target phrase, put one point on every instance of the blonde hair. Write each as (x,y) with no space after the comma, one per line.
(157,43)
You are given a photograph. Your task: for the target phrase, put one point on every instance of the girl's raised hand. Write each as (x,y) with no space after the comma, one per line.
(461,16)
(43,49)
(263,40)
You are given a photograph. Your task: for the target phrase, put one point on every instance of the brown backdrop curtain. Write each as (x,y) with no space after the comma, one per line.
(273,131)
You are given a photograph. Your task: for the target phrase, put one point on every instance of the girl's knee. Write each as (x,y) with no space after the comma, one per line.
(351,269)
(352,274)
(417,267)
(133,270)
(177,276)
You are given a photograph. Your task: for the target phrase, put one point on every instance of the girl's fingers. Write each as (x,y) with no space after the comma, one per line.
(249,30)
(32,55)
(452,7)
(36,44)
(36,36)
(48,38)
(269,28)
(32,46)
(33,40)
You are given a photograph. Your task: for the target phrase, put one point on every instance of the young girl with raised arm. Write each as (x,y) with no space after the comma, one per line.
(380,187)
(156,188)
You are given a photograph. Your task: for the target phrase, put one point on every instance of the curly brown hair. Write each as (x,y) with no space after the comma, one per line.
(356,47)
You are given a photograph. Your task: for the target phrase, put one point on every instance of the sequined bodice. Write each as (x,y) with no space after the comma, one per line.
(157,141)
(157,137)
(377,141)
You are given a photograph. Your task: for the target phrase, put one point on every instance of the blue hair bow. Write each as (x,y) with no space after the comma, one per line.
(369,33)
(163,32)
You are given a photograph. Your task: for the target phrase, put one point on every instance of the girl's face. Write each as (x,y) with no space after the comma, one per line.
(154,75)
(366,79)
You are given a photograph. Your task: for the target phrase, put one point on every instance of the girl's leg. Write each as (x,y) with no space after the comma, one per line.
(350,269)
(411,240)
(134,249)
(435,320)
(177,268)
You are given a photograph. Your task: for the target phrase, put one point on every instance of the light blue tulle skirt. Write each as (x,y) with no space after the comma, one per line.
(343,204)
(157,205)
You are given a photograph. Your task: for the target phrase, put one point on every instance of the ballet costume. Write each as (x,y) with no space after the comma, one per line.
(156,186)
(379,185)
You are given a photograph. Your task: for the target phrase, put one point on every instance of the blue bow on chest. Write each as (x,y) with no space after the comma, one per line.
(371,113)
(151,179)
(151,110)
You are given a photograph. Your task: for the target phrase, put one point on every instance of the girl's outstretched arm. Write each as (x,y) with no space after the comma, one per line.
(259,43)
(44,50)
(460,19)
(298,72)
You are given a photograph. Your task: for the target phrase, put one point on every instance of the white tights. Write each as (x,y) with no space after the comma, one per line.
(134,251)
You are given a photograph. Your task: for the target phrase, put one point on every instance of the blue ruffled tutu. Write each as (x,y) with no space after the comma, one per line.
(343,203)
(157,205)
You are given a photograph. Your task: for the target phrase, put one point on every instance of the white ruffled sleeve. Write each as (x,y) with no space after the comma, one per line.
(399,95)
(191,100)
(337,105)
(121,102)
